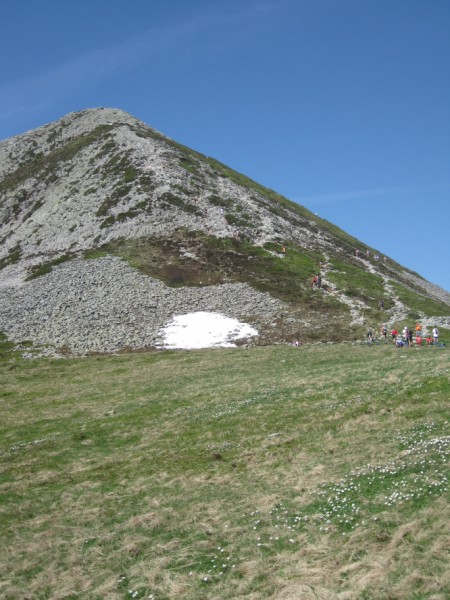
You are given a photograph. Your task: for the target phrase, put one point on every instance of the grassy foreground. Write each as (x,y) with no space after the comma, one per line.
(272,472)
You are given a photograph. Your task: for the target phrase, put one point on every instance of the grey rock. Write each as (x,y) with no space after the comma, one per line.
(145,305)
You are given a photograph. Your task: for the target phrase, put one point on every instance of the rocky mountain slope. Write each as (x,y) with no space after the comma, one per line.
(108,229)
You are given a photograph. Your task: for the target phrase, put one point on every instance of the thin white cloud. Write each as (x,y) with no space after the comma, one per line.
(336,197)
(44,89)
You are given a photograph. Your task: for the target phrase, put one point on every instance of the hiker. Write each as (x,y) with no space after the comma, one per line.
(319,281)
(314,281)
(435,335)
(381,304)
(418,328)
(383,331)
(405,335)
(357,252)
(394,334)
(410,338)
(370,336)
(283,250)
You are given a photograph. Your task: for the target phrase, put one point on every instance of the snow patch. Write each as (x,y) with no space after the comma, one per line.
(204,330)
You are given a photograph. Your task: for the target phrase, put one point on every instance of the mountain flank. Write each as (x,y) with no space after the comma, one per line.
(108,229)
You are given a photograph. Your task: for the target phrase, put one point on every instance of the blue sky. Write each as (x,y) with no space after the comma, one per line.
(340,105)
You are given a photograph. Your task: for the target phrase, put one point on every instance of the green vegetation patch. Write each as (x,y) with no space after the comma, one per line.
(241,219)
(12,257)
(220,259)
(47,267)
(168,199)
(357,282)
(220,201)
(6,347)
(417,302)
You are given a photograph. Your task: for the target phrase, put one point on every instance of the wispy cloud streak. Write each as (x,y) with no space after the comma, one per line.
(336,197)
(47,87)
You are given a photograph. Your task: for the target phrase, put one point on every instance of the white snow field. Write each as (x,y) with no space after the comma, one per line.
(204,330)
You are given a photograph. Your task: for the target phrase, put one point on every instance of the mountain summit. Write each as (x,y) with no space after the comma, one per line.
(109,229)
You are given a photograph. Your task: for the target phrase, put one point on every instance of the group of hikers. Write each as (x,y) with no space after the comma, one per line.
(408,337)
(376,256)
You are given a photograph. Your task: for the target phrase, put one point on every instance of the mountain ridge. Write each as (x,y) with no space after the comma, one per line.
(100,182)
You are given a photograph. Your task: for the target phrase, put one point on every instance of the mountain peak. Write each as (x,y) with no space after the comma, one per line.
(101,181)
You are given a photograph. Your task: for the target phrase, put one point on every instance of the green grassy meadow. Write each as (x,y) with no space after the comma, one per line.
(317,472)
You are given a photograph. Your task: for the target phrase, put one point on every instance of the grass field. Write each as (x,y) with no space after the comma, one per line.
(271,472)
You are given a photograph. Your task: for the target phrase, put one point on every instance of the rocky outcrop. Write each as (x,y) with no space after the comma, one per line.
(104,305)
(102,175)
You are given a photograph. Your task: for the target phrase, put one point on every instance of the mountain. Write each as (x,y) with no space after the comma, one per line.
(109,229)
